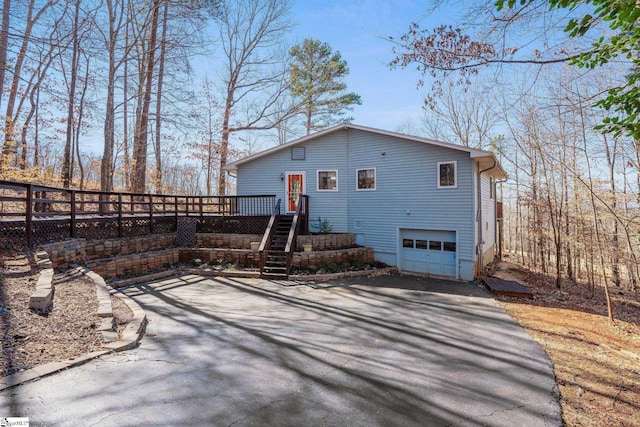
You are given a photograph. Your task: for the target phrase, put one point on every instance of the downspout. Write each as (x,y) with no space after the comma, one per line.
(479,246)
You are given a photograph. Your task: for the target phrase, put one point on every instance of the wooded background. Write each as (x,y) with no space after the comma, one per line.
(103,95)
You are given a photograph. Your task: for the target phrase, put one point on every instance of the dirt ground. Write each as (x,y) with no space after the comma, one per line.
(597,364)
(69,330)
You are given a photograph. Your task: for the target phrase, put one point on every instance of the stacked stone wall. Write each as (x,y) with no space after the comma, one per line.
(133,264)
(339,256)
(227,240)
(323,242)
(115,257)
(240,257)
(81,250)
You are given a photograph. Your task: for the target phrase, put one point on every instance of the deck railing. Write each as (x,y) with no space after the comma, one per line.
(32,213)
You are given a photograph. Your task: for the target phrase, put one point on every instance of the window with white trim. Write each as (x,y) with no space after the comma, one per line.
(447,174)
(366,179)
(327,180)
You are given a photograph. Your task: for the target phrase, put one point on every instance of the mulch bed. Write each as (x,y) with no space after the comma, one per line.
(30,338)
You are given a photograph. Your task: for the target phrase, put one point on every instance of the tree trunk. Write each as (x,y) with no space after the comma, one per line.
(66,173)
(106,165)
(224,140)
(157,181)
(125,116)
(4,40)
(9,144)
(79,124)
(141,133)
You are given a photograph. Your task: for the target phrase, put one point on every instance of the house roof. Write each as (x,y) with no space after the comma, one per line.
(487,160)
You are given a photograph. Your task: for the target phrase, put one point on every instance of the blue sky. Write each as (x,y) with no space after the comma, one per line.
(357,29)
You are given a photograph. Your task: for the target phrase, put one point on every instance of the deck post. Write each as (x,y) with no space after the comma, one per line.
(175,208)
(120,233)
(29,215)
(151,214)
(74,232)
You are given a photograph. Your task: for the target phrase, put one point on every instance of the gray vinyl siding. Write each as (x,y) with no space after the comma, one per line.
(406,195)
(406,180)
(262,176)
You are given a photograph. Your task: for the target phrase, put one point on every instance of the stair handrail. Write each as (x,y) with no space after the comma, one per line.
(293,231)
(265,244)
(273,221)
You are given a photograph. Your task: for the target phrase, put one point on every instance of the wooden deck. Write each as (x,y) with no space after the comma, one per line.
(32,214)
(506,287)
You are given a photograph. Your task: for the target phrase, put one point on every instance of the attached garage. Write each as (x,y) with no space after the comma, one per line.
(429,251)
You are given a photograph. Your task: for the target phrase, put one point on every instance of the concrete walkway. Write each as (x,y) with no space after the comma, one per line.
(385,351)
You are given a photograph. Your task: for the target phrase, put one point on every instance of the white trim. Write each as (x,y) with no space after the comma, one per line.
(286,187)
(455,174)
(323,190)
(375,179)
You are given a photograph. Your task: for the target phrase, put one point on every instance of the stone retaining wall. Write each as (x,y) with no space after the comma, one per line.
(226,240)
(143,262)
(323,242)
(115,257)
(240,257)
(320,242)
(81,250)
(248,258)
(134,263)
(338,256)
(42,299)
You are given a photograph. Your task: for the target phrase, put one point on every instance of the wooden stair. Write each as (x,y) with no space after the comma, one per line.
(276,262)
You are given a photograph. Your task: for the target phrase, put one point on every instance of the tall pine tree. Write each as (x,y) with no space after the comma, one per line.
(317,77)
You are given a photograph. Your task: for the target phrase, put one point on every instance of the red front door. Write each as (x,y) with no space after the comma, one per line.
(294,189)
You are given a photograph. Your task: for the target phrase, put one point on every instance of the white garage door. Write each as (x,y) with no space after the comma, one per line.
(429,251)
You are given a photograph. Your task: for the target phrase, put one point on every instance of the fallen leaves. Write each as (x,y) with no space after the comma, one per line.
(29,338)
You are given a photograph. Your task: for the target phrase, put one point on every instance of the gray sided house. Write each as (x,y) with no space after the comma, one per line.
(422,205)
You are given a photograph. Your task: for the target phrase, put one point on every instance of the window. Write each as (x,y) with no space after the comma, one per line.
(447,175)
(297,153)
(366,179)
(407,243)
(328,180)
(449,246)
(435,245)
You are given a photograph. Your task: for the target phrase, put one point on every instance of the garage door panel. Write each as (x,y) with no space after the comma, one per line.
(429,251)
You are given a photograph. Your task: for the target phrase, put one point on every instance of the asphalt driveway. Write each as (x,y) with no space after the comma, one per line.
(384,351)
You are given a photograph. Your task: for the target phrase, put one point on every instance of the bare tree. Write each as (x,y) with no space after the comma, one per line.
(157,175)
(255,74)
(32,17)
(142,117)
(461,116)
(4,42)
(117,13)
(74,68)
